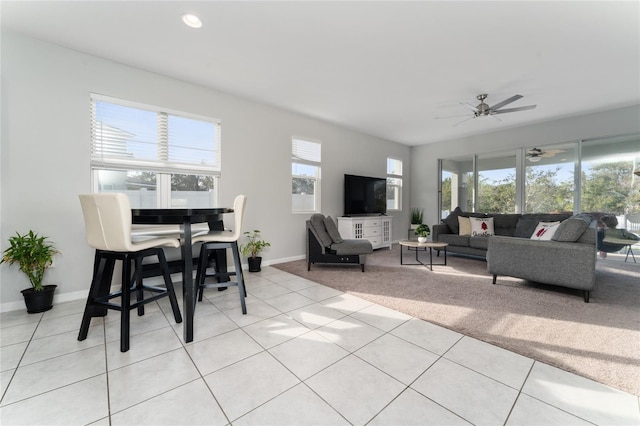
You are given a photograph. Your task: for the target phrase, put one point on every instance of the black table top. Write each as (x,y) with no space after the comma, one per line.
(177,215)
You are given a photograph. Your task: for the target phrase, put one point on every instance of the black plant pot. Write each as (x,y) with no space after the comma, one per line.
(39,301)
(254,263)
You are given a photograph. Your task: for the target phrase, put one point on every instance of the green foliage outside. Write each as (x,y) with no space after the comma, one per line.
(609,187)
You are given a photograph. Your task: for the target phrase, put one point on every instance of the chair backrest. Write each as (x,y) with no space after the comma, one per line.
(107,220)
(238,215)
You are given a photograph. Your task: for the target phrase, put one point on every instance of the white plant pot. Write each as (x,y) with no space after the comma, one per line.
(422,239)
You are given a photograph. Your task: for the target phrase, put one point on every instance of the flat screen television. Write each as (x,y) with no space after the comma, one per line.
(364,195)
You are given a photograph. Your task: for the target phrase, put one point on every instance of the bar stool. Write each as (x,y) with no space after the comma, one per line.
(107,219)
(216,240)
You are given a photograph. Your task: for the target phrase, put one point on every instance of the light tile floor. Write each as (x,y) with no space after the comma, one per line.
(304,354)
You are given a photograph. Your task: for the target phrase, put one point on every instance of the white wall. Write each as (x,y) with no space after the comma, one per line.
(45,155)
(424,159)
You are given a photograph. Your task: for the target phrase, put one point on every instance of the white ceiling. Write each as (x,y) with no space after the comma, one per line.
(382,68)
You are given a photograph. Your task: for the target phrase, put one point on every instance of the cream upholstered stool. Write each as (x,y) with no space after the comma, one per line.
(217,240)
(107,219)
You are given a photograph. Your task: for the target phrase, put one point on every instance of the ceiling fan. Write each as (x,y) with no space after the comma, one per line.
(536,154)
(482,109)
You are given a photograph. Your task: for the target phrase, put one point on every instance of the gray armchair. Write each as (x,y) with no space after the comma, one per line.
(325,245)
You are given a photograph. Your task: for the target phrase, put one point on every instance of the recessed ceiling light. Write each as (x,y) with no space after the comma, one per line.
(191,20)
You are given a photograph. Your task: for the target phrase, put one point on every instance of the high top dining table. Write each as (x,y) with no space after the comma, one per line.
(184,217)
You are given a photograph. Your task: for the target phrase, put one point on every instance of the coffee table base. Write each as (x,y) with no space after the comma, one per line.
(419,262)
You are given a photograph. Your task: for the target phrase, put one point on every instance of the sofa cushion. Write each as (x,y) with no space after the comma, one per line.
(545,230)
(464,225)
(570,230)
(547,217)
(525,228)
(317,221)
(452,220)
(332,230)
(479,242)
(481,226)
(505,224)
(454,239)
(355,246)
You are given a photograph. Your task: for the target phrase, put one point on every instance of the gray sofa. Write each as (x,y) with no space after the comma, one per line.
(567,260)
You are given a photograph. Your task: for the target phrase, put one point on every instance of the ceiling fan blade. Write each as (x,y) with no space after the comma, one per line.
(468,105)
(460,122)
(451,116)
(504,111)
(505,102)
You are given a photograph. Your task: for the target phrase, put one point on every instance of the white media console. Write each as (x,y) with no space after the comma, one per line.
(376,229)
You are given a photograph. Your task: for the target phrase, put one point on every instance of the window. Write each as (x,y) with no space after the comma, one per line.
(305,176)
(394,184)
(160,159)
(496,183)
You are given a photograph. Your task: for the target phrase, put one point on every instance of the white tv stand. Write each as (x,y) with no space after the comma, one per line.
(376,229)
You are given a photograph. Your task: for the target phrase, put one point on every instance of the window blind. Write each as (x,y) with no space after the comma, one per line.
(126,136)
(307,152)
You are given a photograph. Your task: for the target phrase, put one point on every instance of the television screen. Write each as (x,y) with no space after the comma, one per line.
(364,195)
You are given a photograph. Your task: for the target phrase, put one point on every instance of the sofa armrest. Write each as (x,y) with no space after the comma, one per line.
(551,262)
(439,229)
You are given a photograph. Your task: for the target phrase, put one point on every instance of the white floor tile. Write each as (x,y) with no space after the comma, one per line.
(142,346)
(355,389)
(18,333)
(289,302)
(426,335)
(349,333)
(529,411)
(143,380)
(45,376)
(319,292)
(221,351)
(79,403)
(380,317)
(476,398)
(189,404)
(20,317)
(205,327)
(298,406)
(346,303)
(137,325)
(297,284)
(61,344)
(250,383)
(582,397)
(267,291)
(499,364)
(273,331)
(11,355)
(257,310)
(413,409)
(400,359)
(316,315)
(308,354)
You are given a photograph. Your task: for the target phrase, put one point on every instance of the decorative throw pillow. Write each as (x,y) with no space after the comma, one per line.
(570,230)
(545,230)
(452,220)
(464,224)
(332,230)
(481,226)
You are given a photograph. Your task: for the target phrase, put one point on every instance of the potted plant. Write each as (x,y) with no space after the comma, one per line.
(415,217)
(422,231)
(252,249)
(33,254)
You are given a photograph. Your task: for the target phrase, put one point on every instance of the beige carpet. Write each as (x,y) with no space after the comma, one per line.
(599,340)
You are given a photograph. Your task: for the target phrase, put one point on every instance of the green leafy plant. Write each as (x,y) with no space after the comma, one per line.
(255,245)
(422,230)
(416,216)
(32,253)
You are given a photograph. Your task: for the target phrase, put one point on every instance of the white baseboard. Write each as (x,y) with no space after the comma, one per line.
(61,297)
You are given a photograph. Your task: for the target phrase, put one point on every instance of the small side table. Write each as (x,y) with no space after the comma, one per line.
(415,245)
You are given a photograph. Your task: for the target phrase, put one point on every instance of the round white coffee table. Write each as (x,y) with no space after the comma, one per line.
(416,246)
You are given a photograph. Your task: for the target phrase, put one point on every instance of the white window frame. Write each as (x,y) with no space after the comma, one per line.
(163,167)
(309,156)
(391,176)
